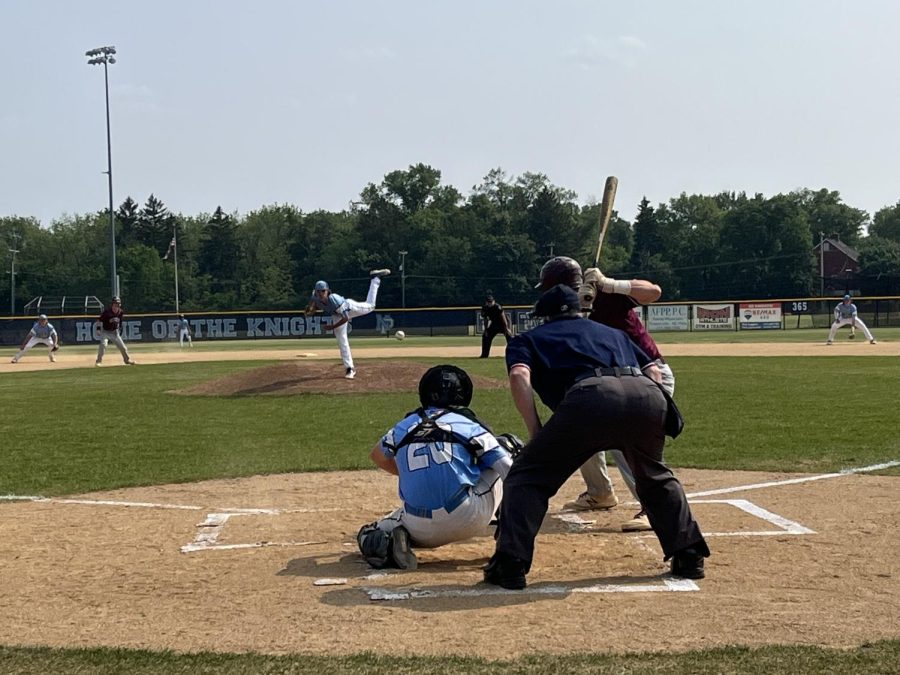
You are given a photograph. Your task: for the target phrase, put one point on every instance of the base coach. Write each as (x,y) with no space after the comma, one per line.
(598,384)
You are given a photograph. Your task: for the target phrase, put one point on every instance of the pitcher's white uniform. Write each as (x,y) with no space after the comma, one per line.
(41,333)
(450,492)
(344,308)
(845,315)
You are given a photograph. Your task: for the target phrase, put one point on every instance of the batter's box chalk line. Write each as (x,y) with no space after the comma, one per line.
(211,528)
(393,595)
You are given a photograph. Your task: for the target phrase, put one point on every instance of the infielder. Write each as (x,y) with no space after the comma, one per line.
(845,315)
(342,310)
(43,333)
(184,331)
(110,321)
(450,468)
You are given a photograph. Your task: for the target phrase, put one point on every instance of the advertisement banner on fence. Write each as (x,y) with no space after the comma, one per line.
(760,315)
(672,317)
(713,317)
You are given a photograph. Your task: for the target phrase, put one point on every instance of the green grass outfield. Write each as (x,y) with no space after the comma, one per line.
(78,430)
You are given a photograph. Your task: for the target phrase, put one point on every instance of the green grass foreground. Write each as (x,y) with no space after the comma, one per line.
(79,430)
(872,659)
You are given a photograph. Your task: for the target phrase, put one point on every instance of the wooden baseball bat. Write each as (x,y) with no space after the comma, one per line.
(606,206)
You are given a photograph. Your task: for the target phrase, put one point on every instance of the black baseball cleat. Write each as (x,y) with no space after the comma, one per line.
(688,564)
(379,273)
(505,571)
(401,550)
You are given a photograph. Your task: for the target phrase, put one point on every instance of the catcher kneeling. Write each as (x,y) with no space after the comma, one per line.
(450,468)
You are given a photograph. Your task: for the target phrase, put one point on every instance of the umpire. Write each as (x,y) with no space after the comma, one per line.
(595,380)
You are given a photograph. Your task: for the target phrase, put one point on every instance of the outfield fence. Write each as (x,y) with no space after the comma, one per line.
(790,314)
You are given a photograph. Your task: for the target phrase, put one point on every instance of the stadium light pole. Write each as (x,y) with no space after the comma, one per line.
(96,57)
(821,264)
(403,278)
(12,276)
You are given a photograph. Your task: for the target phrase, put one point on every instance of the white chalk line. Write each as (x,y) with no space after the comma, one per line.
(153,505)
(785,525)
(666,585)
(794,481)
(208,536)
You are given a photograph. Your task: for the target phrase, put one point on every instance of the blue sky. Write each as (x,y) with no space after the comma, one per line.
(244,104)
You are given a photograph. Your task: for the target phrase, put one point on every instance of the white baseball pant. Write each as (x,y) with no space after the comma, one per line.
(182,334)
(31,343)
(469,519)
(355,309)
(849,322)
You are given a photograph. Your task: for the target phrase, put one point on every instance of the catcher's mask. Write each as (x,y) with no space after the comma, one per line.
(445,386)
(560,270)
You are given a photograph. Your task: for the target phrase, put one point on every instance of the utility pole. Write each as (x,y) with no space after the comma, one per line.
(403,278)
(105,56)
(821,264)
(12,275)
(175,251)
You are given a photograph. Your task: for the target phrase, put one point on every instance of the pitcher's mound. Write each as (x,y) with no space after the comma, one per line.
(323,378)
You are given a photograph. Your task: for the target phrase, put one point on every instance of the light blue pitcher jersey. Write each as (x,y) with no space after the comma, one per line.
(843,311)
(43,332)
(433,472)
(333,304)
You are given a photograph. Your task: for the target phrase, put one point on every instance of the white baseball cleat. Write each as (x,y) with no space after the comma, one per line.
(828,342)
(97,364)
(52,358)
(588,502)
(14,361)
(380,273)
(350,374)
(872,342)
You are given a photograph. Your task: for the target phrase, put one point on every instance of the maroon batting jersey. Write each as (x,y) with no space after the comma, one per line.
(111,320)
(617,311)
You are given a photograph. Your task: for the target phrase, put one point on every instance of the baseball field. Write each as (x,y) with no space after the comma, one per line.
(197,513)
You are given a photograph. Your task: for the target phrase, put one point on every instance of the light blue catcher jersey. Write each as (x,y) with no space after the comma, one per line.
(43,332)
(333,304)
(432,472)
(843,311)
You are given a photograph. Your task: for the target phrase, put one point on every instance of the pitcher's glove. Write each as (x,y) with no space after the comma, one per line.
(55,348)
(511,443)
(310,310)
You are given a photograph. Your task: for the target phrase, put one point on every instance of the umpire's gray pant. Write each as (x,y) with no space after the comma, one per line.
(598,413)
(116,339)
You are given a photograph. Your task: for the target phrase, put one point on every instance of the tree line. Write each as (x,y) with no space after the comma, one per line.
(458,247)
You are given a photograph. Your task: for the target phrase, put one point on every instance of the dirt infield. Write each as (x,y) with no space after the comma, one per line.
(233,565)
(323,378)
(37,360)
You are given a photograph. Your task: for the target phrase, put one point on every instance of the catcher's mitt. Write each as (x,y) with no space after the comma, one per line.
(511,443)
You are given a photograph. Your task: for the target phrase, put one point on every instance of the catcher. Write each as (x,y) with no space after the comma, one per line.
(342,310)
(845,314)
(450,469)
(42,332)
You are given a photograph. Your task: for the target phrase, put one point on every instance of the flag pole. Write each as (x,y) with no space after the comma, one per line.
(175,250)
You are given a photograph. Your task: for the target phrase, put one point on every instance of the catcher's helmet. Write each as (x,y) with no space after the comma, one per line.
(560,270)
(445,386)
(321,286)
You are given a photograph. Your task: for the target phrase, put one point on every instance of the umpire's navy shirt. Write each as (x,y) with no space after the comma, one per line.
(567,349)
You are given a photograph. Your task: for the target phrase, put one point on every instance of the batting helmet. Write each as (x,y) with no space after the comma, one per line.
(560,270)
(115,299)
(321,286)
(445,386)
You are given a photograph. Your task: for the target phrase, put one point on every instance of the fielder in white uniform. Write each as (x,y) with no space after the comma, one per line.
(342,310)
(845,315)
(41,333)
(184,331)
(450,469)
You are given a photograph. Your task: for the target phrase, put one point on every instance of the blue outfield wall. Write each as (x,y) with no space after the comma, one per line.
(249,325)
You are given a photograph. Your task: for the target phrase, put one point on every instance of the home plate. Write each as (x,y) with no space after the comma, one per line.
(665,585)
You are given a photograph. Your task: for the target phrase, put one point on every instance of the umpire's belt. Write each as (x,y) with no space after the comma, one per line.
(450,505)
(630,371)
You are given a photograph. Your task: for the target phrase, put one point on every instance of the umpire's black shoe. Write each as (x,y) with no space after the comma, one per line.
(688,564)
(505,571)
(401,550)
